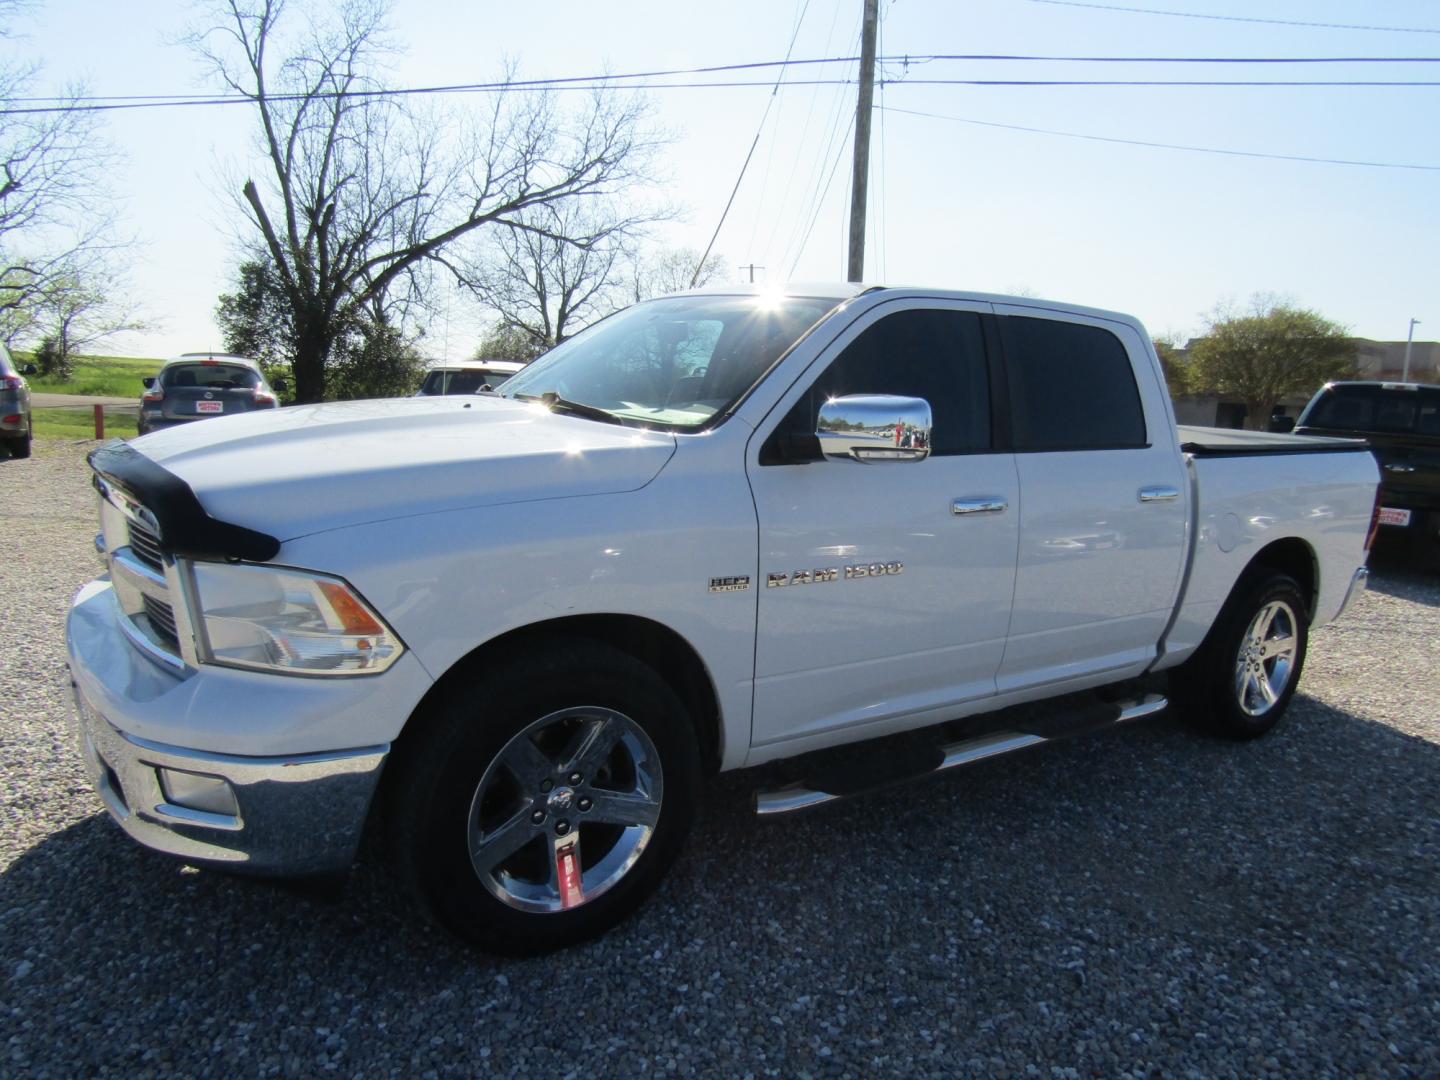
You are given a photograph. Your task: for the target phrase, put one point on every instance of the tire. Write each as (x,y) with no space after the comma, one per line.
(573,745)
(20,448)
(1242,679)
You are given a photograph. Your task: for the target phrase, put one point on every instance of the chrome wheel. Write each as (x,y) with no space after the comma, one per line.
(1266,661)
(565,809)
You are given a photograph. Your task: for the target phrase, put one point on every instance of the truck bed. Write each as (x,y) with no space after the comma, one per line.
(1229,442)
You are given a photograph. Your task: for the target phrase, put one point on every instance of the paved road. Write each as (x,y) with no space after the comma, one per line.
(77,401)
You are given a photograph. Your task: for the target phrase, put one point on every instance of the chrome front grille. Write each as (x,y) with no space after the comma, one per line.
(143,578)
(162,620)
(146,545)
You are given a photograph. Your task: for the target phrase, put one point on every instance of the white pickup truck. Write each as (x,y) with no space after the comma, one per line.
(516,629)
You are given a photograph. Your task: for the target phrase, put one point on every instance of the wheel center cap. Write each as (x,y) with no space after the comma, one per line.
(560,799)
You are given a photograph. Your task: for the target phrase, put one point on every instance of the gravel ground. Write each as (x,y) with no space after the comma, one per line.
(1140,903)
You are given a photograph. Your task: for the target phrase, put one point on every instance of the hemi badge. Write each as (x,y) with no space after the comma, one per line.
(730,584)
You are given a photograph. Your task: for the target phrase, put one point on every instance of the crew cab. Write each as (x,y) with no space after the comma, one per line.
(863,534)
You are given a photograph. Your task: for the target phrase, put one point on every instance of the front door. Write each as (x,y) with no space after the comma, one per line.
(891,580)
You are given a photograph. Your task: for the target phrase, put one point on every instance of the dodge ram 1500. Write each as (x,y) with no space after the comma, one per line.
(874,532)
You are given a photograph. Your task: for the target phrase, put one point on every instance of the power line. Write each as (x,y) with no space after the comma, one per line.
(836,133)
(820,202)
(732,84)
(746,164)
(1239,18)
(1165,82)
(106,103)
(800,144)
(1166,146)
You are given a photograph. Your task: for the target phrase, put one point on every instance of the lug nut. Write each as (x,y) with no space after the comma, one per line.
(561,828)
(584,804)
(575,778)
(546,785)
(538,817)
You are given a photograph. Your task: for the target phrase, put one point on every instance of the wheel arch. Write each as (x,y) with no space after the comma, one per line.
(1294,557)
(657,646)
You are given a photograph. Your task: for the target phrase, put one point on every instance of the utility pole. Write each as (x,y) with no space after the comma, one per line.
(1409,340)
(752,268)
(861,175)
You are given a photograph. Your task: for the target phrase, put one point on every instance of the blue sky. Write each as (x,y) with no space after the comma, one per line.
(1164,234)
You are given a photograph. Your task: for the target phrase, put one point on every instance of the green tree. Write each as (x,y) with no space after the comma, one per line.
(369,356)
(374,360)
(502,342)
(1176,368)
(255,320)
(1272,350)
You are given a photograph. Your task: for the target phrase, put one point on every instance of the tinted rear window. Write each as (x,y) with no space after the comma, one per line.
(1374,408)
(1071,387)
(461,382)
(209,376)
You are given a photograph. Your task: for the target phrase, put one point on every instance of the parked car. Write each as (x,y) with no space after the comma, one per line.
(1401,421)
(196,386)
(17,427)
(715,530)
(466,376)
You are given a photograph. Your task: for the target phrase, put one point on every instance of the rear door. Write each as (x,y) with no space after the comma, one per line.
(1103,500)
(839,645)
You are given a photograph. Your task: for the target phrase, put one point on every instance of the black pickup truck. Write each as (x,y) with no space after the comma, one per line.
(1401,421)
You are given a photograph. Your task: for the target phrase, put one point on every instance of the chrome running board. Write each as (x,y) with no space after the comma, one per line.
(799,796)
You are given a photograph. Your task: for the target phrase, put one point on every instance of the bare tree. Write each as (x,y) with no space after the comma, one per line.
(54,220)
(73,313)
(360,193)
(669,270)
(557,269)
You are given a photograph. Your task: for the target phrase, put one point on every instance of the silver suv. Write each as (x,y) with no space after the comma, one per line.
(195,386)
(17,427)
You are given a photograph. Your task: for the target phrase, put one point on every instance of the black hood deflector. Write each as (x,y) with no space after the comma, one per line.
(185,528)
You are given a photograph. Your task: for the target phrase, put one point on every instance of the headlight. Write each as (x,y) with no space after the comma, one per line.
(293,621)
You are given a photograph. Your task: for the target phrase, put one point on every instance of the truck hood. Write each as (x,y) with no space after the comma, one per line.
(292,472)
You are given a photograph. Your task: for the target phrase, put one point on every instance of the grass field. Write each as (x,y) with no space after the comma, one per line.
(115,376)
(107,376)
(80,424)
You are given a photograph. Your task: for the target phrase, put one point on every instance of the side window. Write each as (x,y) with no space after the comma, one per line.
(926,353)
(1071,387)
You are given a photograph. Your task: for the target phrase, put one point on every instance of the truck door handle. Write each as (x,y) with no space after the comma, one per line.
(979,504)
(1159,494)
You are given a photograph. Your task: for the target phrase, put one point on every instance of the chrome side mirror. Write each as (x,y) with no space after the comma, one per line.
(874,427)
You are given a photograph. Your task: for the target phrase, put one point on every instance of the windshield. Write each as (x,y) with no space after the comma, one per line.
(674,363)
(1413,411)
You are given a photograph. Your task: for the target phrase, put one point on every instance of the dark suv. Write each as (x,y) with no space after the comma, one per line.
(1401,421)
(195,386)
(17,428)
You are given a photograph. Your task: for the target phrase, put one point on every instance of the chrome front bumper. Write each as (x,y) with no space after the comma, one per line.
(292,815)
